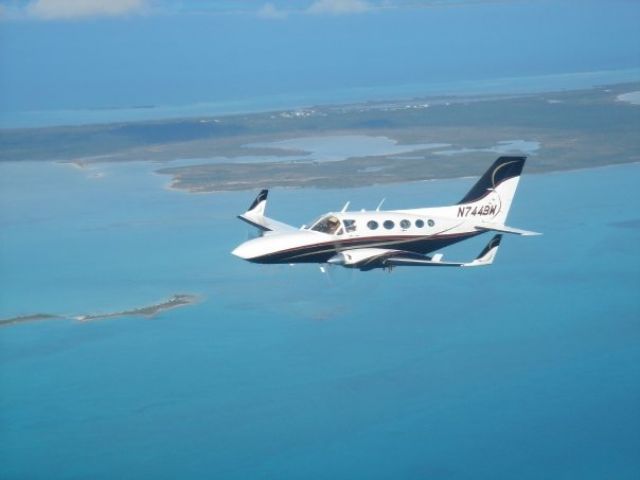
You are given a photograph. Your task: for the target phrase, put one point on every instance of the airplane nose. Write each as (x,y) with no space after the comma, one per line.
(257,249)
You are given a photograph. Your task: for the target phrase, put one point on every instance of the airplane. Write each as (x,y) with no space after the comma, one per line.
(371,239)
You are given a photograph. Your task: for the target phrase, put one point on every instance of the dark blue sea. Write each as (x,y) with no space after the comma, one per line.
(528,369)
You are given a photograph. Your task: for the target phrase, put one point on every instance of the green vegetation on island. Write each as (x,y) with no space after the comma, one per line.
(572,129)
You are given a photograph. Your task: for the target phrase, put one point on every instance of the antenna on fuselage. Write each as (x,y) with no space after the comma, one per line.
(346,205)
(380,204)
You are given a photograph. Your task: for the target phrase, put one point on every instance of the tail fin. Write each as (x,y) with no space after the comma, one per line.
(493,193)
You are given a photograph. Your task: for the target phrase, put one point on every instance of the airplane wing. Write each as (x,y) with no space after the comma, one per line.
(485,257)
(255,216)
(370,258)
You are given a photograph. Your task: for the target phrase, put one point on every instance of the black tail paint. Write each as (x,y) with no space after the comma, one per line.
(261,196)
(502,169)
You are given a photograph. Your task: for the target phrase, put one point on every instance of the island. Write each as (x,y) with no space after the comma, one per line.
(560,130)
(149,311)
(5,322)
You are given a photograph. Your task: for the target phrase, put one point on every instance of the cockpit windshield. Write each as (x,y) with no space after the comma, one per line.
(329,224)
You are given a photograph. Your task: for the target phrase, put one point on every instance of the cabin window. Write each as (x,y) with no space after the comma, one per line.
(329,224)
(404,224)
(419,223)
(388,224)
(349,225)
(431,223)
(372,224)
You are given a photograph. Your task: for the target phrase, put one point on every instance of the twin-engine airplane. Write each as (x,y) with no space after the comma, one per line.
(384,239)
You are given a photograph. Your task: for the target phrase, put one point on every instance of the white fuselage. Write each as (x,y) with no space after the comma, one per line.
(418,230)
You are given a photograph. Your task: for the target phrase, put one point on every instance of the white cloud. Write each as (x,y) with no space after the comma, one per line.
(339,7)
(269,10)
(68,9)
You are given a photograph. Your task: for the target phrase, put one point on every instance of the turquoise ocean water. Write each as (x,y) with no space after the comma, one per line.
(306,99)
(528,369)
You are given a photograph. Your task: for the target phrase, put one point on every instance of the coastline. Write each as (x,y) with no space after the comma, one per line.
(559,131)
(297,101)
(308,183)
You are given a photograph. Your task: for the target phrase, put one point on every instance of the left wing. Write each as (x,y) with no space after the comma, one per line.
(370,258)
(255,216)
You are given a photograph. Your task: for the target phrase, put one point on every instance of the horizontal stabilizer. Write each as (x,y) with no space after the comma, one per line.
(495,227)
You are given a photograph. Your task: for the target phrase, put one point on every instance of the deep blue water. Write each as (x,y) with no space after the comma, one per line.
(527,369)
(196,63)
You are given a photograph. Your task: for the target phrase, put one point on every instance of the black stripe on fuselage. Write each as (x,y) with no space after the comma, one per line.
(321,252)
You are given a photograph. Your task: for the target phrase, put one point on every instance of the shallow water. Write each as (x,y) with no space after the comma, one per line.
(502,148)
(631,97)
(297,100)
(333,148)
(320,148)
(527,369)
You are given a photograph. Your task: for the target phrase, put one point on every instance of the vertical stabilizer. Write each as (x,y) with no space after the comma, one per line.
(490,198)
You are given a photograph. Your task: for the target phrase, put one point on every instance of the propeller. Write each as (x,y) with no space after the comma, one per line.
(336,274)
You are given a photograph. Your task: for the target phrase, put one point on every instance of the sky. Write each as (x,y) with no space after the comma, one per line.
(75,54)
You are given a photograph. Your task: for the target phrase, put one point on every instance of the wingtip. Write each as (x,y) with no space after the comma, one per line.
(262,197)
(488,253)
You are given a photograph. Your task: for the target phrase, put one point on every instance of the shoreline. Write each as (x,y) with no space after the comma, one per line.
(302,110)
(551,171)
(561,131)
(300,101)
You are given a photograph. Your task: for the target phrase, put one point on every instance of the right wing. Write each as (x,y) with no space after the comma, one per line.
(255,217)
(370,258)
(486,257)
